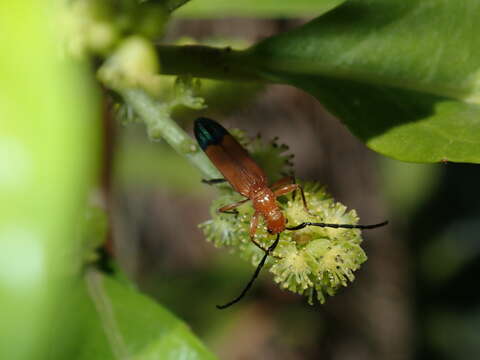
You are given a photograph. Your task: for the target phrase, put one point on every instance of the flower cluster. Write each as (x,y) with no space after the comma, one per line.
(313,261)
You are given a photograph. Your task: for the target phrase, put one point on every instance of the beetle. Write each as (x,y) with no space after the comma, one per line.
(247,178)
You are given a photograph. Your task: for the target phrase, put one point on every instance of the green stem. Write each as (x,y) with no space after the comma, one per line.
(206,62)
(153,114)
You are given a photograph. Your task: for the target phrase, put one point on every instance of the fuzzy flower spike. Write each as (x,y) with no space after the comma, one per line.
(313,256)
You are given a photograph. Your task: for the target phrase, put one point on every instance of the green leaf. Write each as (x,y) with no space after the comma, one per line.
(120,323)
(404,75)
(255,8)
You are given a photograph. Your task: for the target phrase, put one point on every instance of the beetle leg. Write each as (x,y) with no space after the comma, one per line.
(253,230)
(282,182)
(230,209)
(287,180)
(213,181)
(285,189)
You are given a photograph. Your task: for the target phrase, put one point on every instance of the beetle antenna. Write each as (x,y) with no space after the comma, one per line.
(254,277)
(337,226)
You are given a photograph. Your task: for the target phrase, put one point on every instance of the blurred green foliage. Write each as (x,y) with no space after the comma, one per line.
(125,324)
(254,8)
(48,157)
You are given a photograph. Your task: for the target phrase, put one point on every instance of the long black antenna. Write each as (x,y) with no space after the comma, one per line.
(255,275)
(337,226)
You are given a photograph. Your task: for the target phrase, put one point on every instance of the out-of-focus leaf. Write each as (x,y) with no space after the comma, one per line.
(48,143)
(403,75)
(407,185)
(446,256)
(120,323)
(454,334)
(255,8)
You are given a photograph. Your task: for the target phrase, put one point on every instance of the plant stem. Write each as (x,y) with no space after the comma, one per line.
(206,62)
(153,113)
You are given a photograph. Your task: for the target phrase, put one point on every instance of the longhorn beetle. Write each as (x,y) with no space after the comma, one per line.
(248,179)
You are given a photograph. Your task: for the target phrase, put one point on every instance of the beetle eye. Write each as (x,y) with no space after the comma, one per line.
(270,231)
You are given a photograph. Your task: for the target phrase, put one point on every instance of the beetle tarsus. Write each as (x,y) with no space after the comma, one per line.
(213,181)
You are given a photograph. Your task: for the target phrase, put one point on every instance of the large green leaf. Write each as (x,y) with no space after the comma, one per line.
(404,75)
(120,323)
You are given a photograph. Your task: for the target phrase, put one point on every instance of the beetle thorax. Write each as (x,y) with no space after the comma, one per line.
(264,202)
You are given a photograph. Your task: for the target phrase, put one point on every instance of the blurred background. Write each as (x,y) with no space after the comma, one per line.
(415,298)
